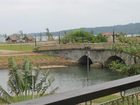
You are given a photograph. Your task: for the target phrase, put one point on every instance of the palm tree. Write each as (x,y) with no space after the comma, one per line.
(23,84)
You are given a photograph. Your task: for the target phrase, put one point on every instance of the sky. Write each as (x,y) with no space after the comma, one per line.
(37,15)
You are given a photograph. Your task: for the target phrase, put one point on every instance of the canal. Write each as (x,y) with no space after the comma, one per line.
(71,78)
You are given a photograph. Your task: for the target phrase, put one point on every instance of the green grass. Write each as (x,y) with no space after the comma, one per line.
(113,97)
(24,98)
(106,98)
(16,99)
(17,47)
(21,98)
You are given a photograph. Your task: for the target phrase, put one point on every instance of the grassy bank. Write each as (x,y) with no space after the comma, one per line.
(37,60)
(17,47)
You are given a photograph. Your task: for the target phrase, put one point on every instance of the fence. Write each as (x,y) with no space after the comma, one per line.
(86,94)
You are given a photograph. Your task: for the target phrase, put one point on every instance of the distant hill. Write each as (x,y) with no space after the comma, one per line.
(132,28)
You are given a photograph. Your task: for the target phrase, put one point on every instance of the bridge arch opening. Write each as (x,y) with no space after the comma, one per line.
(114,58)
(85,60)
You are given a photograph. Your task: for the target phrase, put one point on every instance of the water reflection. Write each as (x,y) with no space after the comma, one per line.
(76,77)
(72,77)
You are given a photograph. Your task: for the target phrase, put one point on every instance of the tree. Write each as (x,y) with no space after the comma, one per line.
(22,35)
(129,45)
(100,38)
(78,36)
(49,35)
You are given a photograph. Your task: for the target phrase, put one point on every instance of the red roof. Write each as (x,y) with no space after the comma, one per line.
(107,33)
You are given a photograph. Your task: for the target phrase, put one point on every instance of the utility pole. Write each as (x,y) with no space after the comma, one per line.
(35,41)
(92,32)
(113,35)
(59,38)
(40,37)
(65,35)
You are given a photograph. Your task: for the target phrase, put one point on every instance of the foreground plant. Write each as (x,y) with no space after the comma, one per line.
(25,83)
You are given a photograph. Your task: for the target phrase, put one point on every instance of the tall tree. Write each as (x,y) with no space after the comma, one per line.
(49,35)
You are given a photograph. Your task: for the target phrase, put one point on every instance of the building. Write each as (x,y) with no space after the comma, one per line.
(12,39)
(28,39)
(109,36)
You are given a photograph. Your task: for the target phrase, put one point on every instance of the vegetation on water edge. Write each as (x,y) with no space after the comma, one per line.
(124,69)
(131,46)
(25,83)
(80,36)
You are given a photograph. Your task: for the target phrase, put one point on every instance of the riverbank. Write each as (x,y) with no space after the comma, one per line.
(51,66)
(38,60)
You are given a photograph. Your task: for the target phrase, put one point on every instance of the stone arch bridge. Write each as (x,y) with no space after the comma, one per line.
(103,56)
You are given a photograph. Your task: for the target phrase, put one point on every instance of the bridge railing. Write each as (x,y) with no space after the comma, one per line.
(86,94)
(77,46)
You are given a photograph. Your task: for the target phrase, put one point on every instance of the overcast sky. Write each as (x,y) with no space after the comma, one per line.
(36,15)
